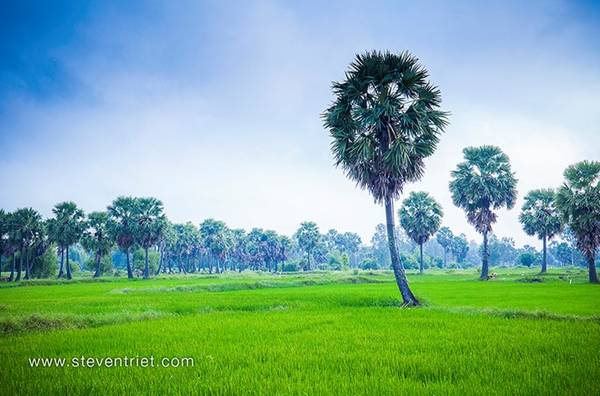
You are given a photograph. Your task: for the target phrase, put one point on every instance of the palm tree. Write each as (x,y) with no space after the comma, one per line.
(539,217)
(149,225)
(215,239)
(578,201)
(4,235)
(121,226)
(96,238)
(445,237)
(66,228)
(420,216)
(481,184)
(27,223)
(384,121)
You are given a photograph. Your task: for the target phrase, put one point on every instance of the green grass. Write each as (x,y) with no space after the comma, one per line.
(319,333)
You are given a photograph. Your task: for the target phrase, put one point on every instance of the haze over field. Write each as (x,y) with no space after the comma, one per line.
(215,108)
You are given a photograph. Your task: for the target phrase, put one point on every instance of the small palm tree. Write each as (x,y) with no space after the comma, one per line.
(67,228)
(384,121)
(96,238)
(121,226)
(150,223)
(420,216)
(578,201)
(539,217)
(481,184)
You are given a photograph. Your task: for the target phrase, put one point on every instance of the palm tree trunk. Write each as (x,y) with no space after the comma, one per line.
(544,256)
(146,267)
(593,276)
(97,274)
(407,296)
(129,272)
(484,259)
(69,276)
(13,266)
(20,267)
(421,258)
(160,260)
(62,260)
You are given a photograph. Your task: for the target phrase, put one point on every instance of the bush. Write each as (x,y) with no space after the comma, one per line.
(45,265)
(369,264)
(106,265)
(290,266)
(139,260)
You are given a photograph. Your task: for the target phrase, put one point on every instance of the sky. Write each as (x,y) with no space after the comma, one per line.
(214,107)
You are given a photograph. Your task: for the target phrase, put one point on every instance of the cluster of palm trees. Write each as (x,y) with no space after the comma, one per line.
(385,120)
(132,223)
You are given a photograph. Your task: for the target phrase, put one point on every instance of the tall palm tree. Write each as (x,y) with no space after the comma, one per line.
(149,225)
(578,201)
(96,238)
(122,226)
(67,228)
(420,217)
(27,223)
(4,236)
(384,121)
(540,217)
(481,184)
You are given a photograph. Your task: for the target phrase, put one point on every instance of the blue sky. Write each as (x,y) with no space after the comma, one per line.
(214,107)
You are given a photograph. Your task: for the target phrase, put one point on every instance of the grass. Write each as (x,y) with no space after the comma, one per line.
(316,333)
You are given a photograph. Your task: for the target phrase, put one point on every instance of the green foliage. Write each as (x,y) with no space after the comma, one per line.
(45,265)
(483,183)
(578,202)
(459,246)
(420,216)
(527,258)
(538,214)
(384,121)
(106,265)
(308,239)
(139,260)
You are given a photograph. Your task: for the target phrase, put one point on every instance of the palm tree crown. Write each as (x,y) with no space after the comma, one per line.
(420,216)
(482,183)
(384,122)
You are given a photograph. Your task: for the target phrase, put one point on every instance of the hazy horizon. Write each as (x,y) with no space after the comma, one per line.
(215,108)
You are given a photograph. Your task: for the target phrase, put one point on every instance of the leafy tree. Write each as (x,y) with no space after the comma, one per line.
(539,217)
(527,258)
(96,238)
(481,184)
(149,225)
(501,251)
(420,216)
(384,121)
(459,247)
(122,226)
(308,239)
(445,237)
(578,202)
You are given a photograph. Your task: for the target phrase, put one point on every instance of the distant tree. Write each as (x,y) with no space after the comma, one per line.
(4,236)
(420,217)
(121,226)
(28,224)
(578,202)
(308,239)
(384,122)
(70,223)
(445,237)
(501,251)
(216,239)
(163,242)
(527,258)
(96,238)
(459,246)
(540,217)
(149,225)
(481,184)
